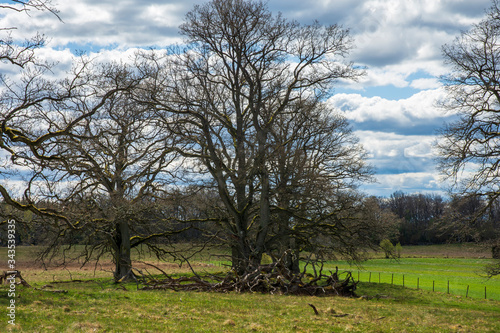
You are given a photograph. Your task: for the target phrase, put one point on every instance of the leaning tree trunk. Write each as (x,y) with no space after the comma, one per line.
(122,258)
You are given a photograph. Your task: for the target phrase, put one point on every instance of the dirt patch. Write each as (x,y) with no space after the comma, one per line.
(36,272)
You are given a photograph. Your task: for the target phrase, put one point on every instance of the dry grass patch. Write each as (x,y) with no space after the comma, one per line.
(229,322)
(84,327)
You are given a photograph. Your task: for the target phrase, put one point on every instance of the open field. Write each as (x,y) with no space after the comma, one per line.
(98,305)
(429,274)
(101,306)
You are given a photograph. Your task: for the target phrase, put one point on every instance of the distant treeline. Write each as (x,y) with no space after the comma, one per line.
(423,219)
(433,219)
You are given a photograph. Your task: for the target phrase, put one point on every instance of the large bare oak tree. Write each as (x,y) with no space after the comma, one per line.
(470,147)
(96,159)
(108,173)
(245,72)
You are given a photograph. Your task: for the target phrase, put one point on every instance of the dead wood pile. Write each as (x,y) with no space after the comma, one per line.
(273,278)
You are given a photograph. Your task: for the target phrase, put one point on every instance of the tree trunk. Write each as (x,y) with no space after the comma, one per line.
(123,261)
(294,256)
(495,252)
(238,261)
(290,251)
(265,204)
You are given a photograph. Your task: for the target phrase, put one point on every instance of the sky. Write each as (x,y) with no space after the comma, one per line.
(393,109)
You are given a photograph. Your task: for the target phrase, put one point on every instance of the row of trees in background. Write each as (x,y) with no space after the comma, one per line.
(432,219)
(415,219)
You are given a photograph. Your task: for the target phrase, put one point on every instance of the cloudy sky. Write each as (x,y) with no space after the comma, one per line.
(392,109)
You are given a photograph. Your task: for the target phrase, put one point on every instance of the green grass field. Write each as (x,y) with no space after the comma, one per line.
(96,304)
(101,306)
(426,273)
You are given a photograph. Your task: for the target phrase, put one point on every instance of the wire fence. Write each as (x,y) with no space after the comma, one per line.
(449,286)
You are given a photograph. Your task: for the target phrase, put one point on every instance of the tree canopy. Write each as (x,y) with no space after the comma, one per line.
(469,148)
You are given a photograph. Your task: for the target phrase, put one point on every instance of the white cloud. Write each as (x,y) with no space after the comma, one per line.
(401,161)
(104,23)
(420,149)
(375,77)
(423,84)
(163,14)
(412,182)
(382,144)
(421,106)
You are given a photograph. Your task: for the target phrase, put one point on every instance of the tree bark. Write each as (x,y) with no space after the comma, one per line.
(123,261)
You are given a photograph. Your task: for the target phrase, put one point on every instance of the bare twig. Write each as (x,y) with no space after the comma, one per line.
(314,308)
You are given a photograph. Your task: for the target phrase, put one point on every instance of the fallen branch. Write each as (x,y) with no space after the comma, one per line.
(314,308)
(8,275)
(341,315)
(272,278)
(57,291)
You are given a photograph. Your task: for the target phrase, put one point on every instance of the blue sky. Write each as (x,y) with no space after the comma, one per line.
(392,109)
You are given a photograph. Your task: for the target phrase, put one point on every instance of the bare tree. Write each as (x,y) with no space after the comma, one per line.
(466,219)
(99,161)
(470,147)
(315,160)
(32,91)
(242,70)
(22,54)
(109,171)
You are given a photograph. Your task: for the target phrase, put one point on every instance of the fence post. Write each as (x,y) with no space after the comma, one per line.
(432,285)
(403,280)
(467,293)
(484,292)
(379,277)
(448,286)
(370,278)
(392,279)
(418,283)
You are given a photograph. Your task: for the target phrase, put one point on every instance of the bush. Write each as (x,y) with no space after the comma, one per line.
(387,247)
(266,259)
(399,249)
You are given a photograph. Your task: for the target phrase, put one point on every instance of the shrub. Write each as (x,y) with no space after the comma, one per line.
(387,247)
(399,249)
(266,259)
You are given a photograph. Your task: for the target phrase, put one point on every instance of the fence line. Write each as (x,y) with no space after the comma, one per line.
(419,284)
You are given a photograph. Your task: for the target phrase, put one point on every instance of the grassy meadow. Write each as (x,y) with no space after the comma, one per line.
(429,274)
(93,303)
